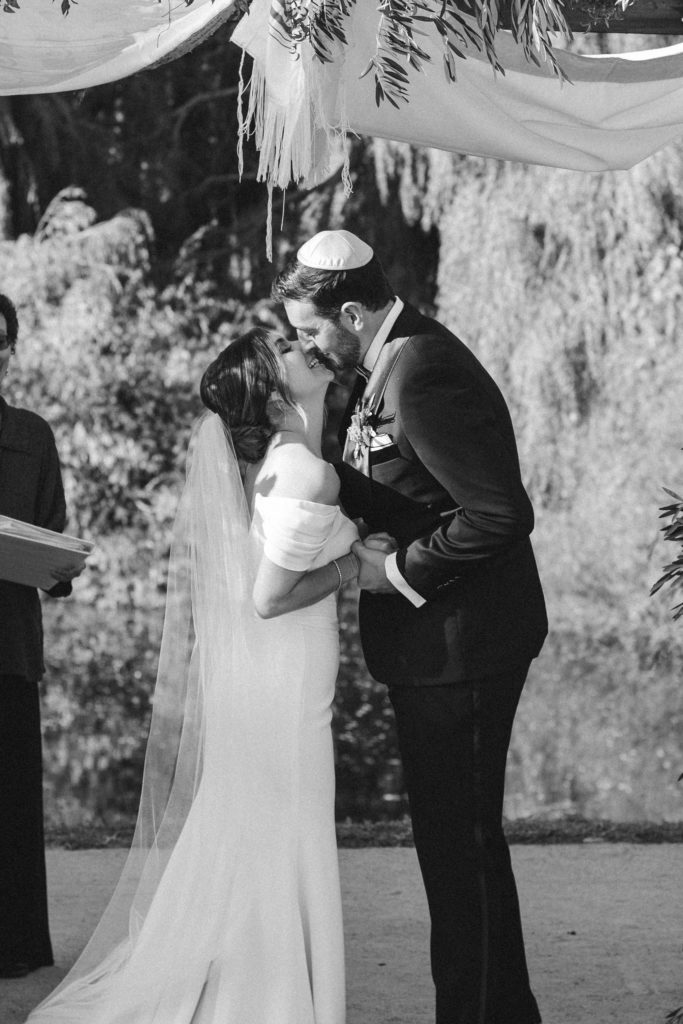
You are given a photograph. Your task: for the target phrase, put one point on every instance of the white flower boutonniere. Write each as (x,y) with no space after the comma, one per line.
(362,427)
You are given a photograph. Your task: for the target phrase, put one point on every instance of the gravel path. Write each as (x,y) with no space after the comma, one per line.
(603,924)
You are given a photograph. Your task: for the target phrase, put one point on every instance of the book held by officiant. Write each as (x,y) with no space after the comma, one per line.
(28,553)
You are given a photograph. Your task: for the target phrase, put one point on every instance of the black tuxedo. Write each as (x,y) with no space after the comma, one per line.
(448,488)
(442,476)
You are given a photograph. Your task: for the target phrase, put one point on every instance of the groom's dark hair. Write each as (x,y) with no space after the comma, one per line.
(239,386)
(328,290)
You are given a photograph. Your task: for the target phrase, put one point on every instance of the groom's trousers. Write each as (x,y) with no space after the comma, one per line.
(454,741)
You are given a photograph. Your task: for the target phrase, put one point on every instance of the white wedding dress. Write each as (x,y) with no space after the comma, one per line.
(229,911)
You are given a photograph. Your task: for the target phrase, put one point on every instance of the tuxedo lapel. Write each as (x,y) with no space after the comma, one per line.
(379,377)
(407,323)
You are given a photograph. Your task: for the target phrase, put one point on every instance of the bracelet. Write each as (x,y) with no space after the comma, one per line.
(335,563)
(352,562)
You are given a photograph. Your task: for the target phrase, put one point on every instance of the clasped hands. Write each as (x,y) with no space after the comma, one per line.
(371,552)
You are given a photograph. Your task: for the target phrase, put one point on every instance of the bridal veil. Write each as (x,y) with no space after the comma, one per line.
(214,842)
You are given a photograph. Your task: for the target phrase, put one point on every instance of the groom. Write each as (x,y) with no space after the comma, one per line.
(452,619)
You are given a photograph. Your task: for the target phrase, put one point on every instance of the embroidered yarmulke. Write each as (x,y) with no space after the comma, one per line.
(334,250)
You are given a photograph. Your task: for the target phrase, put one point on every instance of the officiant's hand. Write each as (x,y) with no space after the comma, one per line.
(66,573)
(372,575)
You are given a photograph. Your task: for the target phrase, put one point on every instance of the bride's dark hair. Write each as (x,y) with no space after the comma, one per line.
(241,384)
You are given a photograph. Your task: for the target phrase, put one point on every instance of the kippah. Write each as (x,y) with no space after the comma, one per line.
(334,250)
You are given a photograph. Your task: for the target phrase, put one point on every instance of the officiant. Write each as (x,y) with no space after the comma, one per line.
(30,490)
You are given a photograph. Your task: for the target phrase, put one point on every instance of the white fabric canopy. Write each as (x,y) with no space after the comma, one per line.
(99,41)
(616,112)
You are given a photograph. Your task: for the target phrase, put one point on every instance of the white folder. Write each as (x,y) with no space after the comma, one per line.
(28,553)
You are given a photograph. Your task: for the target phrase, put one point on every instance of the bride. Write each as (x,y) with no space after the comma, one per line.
(228,909)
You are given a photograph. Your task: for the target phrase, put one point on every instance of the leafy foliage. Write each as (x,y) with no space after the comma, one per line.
(569,287)
(459,25)
(163,141)
(673,531)
(112,360)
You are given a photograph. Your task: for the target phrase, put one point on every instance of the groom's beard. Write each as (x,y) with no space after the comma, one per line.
(344,352)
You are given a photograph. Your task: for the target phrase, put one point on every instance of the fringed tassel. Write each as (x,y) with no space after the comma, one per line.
(269,223)
(290,99)
(282,132)
(242,126)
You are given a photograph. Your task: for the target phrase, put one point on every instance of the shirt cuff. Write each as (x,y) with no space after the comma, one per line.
(394,576)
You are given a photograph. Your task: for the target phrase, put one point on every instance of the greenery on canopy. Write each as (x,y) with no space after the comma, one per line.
(404,26)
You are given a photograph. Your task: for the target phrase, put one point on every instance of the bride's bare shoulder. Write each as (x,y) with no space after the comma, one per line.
(293,471)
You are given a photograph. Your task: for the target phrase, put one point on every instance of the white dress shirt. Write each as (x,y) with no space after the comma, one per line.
(371,357)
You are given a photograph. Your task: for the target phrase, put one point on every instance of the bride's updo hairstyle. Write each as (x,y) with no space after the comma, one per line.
(242,385)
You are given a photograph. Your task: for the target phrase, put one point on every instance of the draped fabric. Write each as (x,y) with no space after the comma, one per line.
(99,41)
(615,112)
(296,543)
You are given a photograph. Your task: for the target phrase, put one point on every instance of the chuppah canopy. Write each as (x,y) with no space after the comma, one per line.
(610,112)
(99,41)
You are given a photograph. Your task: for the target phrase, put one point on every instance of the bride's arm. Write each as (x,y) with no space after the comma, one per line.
(292,472)
(278,590)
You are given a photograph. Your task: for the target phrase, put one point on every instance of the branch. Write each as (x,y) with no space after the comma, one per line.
(673,531)
(216,180)
(180,114)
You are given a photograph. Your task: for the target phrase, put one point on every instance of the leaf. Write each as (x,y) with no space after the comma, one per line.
(368,69)
(460,24)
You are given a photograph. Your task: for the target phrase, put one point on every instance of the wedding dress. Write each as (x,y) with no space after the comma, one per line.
(229,909)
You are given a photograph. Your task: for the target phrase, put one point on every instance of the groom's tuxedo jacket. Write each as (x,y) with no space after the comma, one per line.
(442,476)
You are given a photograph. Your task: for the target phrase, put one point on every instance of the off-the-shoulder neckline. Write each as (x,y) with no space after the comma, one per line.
(297,501)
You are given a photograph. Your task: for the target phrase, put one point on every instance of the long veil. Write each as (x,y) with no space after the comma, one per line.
(212,654)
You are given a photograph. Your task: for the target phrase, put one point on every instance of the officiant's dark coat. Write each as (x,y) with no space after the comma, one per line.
(444,480)
(30,490)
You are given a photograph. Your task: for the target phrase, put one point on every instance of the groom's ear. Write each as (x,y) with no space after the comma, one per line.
(353,316)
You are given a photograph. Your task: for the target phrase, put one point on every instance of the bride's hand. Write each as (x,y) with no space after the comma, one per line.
(380,542)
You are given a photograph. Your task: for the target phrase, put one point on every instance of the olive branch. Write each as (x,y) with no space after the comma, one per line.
(400,47)
(459,24)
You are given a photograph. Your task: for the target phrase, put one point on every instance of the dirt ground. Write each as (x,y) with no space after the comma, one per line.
(603,924)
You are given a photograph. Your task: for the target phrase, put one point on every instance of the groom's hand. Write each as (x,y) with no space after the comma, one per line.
(380,542)
(372,574)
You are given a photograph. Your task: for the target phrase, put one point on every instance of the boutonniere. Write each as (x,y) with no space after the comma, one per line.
(362,426)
